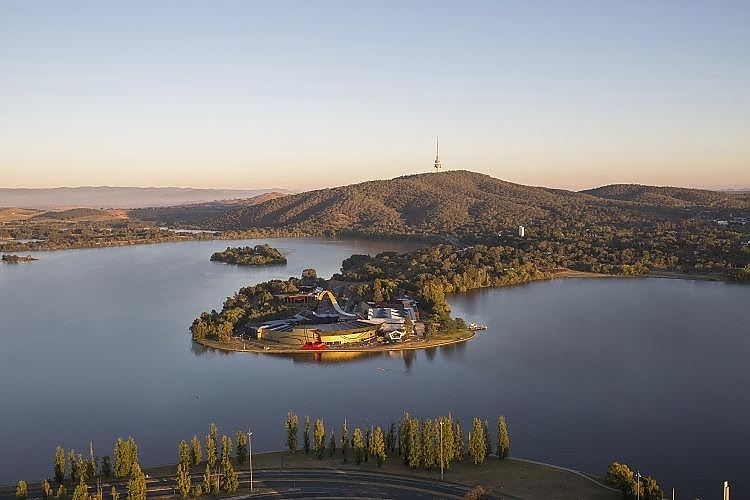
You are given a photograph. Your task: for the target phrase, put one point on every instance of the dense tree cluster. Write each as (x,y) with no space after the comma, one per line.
(259,255)
(633,485)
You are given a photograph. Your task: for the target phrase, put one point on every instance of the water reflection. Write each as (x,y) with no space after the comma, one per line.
(330,357)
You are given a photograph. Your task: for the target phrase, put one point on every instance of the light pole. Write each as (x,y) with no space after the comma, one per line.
(250,449)
(638,485)
(441,450)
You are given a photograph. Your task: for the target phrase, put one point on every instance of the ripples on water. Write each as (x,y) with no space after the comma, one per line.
(649,372)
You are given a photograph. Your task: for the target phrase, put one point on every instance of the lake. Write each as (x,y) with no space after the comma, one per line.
(651,372)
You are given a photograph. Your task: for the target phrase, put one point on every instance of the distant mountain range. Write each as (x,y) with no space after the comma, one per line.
(119,197)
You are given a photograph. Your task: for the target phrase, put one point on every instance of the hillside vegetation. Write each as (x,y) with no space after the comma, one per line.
(470,206)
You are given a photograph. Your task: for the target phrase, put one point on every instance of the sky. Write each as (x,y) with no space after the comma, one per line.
(310,94)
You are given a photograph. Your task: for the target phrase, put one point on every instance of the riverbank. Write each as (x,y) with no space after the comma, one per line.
(261,347)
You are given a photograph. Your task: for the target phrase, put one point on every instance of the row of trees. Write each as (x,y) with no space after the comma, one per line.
(424,443)
(258,255)
(633,486)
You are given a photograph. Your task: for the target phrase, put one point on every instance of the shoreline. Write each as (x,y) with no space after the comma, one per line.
(261,347)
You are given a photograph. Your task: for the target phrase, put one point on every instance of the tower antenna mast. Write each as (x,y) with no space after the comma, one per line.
(438,165)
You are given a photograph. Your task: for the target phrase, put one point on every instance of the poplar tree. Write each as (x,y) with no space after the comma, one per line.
(377,446)
(429,455)
(211,446)
(207,480)
(46,490)
(59,465)
(344,440)
(226,449)
(291,431)
(487,439)
(241,447)
(62,492)
(477,448)
(81,492)
(137,483)
(332,444)
(319,438)
(306,435)
(503,439)
(183,480)
(73,465)
(403,437)
(415,448)
(446,451)
(458,443)
(22,490)
(229,480)
(126,454)
(114,494)
(183,450)
(358,444)
(196,454)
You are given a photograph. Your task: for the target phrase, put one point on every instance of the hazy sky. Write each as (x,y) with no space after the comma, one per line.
(313,94)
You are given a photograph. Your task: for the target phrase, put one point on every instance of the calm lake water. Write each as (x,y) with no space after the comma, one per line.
(652,372)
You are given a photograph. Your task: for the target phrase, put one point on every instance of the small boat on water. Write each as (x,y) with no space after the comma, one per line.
(477,326)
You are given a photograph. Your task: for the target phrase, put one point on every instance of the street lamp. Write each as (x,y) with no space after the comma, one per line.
(441,449)
(250,449)
(638,485)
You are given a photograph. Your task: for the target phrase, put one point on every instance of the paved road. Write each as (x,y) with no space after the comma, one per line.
(306,483)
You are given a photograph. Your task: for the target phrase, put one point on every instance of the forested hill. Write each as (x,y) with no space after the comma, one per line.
(470,205)
(671,196)
(451,202)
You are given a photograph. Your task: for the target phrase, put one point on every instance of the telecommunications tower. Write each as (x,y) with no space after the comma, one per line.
(438,165)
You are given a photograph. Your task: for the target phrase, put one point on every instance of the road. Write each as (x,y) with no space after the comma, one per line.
(302,483)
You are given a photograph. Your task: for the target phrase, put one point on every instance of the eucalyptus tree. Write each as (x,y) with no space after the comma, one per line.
(503,438)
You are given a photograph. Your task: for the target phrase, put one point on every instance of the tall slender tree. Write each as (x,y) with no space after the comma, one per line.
(377,446)
(332,443)
(477,448)
(114,494)
(306,435)
(46,490)
(503,438)
(137,483)
(229,480)
(429,448)
(241,447)
(196,453)
(458,442)
(414,446)
(59,465)
(291,425)
(211,451)
(358,444)
(319,438)
(344,440)
(487,438)
(183,450)
(184,483)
